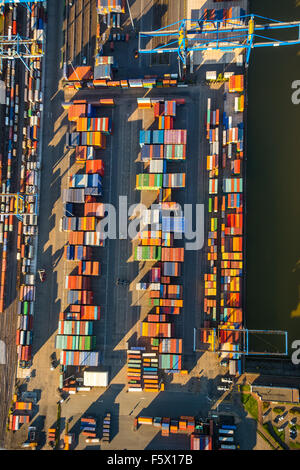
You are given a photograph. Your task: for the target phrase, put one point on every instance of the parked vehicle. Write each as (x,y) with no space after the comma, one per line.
(267,412)
(136,54)
(122,282)
(32,438)
(53,361)
(127,37)
(112,46)
(226,380)
(223,388)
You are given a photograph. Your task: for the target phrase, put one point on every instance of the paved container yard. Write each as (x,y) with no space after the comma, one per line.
(120,311)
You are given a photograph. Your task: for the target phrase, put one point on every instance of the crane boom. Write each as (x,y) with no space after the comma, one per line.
(245,33)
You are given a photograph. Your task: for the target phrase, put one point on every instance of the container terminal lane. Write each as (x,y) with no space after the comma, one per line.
(118,345)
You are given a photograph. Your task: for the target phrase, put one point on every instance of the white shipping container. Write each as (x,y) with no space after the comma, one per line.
(154,286)
(95,378)
(156,166)
(211,75)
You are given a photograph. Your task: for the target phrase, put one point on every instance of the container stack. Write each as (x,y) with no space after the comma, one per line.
(150,372)
(75,342)
(82,215)
(167,81)
(16,420)
(29,23)
(51,436)
(201,442)
(213,131)
(225,16)
(20,415)
(106,428)
(25,323)
(110,6)
(170,354)
(88,427)
(101,76)
(80,358)
(183,424)
(226,437)
(223,278)
(134,369)
(156,242)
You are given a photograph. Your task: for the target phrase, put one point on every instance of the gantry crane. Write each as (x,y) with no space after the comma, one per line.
(213,343)
(243,32)
(20,205)
(18,47)
(26,3)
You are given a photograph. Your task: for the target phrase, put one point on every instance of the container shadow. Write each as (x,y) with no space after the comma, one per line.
(105,403)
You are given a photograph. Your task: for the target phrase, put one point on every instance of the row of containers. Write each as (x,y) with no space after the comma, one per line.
(226,17)
(226,437)
(108,13)
(224,276)
(156,242)
(83,76)
(82,214)
(21,414)
(88,427)
(27,185)
(199,440)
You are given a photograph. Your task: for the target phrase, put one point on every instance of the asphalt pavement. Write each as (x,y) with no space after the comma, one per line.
(119,310)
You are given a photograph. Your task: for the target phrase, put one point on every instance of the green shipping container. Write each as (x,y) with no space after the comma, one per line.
(150,181)
(147,253)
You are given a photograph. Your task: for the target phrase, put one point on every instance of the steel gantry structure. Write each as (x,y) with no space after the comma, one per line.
(242,32)
(18,204)
(18,47)
(26,3)
(215,345)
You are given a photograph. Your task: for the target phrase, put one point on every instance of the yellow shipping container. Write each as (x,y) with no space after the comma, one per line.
(145,420)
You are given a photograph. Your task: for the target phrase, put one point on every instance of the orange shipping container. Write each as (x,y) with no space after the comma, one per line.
(95,166)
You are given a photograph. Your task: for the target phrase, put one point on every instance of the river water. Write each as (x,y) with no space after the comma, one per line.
(273,181)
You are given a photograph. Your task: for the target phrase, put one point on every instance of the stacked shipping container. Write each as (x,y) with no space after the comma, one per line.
(156,243)
(75,328)
(14,20)
(223,280)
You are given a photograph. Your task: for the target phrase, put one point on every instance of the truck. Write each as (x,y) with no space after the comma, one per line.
(226,431)
(31,440)
(228,447)
(226,439)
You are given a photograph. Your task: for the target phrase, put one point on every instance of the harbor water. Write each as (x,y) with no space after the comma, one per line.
(273,169)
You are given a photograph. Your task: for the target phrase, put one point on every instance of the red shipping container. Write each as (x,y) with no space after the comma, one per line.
(95,209)
(95,166)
